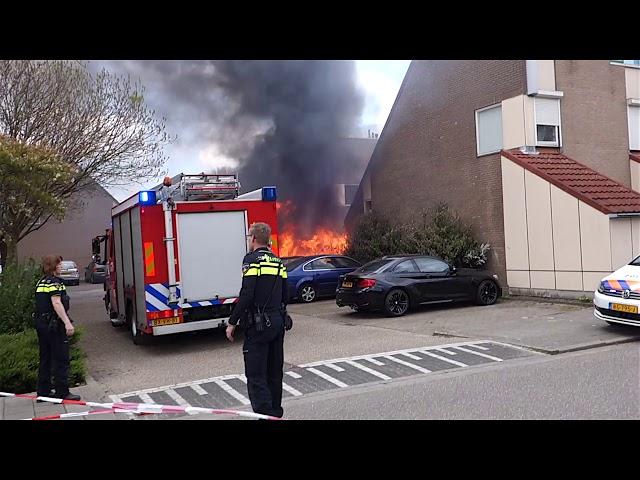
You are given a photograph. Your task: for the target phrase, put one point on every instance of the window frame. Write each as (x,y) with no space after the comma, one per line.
(480,110)
(410,260)
(541,143)
(633,108)
(448,269)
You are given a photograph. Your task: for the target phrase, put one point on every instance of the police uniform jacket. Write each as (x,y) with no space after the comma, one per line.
(262,272)
(46,288)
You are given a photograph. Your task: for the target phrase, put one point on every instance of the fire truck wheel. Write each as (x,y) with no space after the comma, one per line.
(136,335)
(307,293)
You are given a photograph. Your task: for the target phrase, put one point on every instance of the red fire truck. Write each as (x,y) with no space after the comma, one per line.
(176,266)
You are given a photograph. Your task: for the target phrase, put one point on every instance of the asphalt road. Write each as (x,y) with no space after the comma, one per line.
(602,383)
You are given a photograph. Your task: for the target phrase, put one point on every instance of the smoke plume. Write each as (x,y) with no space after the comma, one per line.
(280,120)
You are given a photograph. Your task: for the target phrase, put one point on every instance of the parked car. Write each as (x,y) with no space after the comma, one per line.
(396,284)
(316,276)
(617,299)
(69,273)
(95,272)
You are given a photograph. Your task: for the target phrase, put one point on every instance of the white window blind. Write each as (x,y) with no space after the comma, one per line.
(547,114)
(634,127)
(489,130)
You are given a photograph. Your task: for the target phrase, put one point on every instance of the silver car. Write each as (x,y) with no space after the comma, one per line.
(69,273)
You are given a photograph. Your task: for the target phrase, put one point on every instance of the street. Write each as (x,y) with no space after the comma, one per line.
(518,359)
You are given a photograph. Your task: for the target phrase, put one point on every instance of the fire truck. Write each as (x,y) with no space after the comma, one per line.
(175,266)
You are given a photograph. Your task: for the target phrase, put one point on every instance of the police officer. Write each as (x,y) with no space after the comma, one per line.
(54,329)
(262,309)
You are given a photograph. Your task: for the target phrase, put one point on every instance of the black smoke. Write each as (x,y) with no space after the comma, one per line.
(280,119)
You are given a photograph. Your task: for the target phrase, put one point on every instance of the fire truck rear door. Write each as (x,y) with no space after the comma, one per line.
(211,246)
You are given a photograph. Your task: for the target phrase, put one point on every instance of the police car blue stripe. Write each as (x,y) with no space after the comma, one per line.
(624,285)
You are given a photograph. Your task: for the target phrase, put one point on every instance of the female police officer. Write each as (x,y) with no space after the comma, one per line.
(54,327)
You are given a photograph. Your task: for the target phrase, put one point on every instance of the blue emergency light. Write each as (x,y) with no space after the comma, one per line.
(269,194)
(147,197)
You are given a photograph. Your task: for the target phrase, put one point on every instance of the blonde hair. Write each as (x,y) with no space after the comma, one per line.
(261,232)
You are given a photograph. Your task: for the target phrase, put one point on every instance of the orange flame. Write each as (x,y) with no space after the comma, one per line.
(323,240)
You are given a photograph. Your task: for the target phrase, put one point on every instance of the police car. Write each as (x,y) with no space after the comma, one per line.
(617,299)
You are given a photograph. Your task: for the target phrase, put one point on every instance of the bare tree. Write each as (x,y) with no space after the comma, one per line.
(99,124)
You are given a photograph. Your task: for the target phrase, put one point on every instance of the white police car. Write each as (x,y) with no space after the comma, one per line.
(617,299)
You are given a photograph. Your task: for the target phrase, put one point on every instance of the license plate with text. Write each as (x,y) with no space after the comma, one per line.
(166,321)
(619,307)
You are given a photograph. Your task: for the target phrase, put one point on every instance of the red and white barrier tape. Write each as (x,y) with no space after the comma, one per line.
(144,407)
(84,414)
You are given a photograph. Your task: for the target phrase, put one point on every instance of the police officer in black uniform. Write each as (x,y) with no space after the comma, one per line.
(54,328)
(261,310)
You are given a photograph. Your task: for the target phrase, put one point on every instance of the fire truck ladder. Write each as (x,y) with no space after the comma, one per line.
(205,186)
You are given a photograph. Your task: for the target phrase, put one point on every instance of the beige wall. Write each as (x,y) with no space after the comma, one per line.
(632,81)
(595,239)
(635,175)
(540,76)
(554,241)
(513,123)
(71,238)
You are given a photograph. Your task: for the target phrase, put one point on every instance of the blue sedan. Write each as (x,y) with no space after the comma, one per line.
(316,276)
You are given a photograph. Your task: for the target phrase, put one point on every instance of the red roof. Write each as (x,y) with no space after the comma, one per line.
(578,180)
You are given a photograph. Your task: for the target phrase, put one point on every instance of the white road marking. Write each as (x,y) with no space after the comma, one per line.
(178,399)
(293,374)
(368,370)
(146,398)
(328,378)
(444,359)
(199,390)
(478,346)
(374,361)
(407,364)
(490,357)
(407,354)
(443,350)
(291,390)
(242,378)
(334,367)
(231,391)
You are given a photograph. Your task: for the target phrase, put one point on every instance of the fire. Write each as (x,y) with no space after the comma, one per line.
(323,240)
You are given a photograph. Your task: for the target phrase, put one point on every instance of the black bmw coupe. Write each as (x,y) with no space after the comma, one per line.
(395,284)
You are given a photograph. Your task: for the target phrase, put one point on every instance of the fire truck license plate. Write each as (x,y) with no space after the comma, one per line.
(619,307)
(166,321)
(347,284)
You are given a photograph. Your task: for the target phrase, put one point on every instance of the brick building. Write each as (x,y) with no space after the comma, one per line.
(455,135)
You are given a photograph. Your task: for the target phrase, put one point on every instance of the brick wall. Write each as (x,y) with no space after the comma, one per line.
(594,116)
(427,153)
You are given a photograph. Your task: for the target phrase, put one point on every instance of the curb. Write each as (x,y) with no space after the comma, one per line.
(555,351)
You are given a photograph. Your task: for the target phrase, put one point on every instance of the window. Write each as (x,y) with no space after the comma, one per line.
(320,264)
(627,62)
(431,265)
(349,194)
(634,127)
(374,266)
(489,130)
(368,207)
(547,115)
(405,267)
(344,262)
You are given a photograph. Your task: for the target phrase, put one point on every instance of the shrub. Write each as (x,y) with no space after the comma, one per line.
(17,296)
(440,232)
(19,360)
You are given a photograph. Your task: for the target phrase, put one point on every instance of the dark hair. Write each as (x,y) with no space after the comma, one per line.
(49,264)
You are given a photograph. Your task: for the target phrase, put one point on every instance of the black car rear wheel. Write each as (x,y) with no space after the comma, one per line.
(396,303)
(487,293)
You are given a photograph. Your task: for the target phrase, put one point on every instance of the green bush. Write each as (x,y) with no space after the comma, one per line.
(17,296)
(19,360)
(440,232)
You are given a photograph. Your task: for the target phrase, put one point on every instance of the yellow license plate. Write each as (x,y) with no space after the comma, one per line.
(166,321)
(347,284)
(619,307)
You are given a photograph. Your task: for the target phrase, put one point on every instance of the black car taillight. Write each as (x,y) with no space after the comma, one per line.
(366,283)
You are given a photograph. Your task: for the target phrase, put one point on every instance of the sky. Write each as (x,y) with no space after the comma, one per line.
(377,80)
